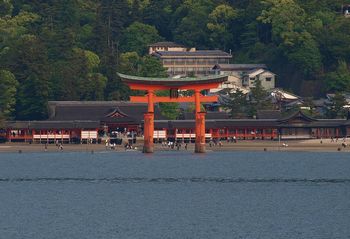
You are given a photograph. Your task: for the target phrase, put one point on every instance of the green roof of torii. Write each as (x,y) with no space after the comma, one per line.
(173,81)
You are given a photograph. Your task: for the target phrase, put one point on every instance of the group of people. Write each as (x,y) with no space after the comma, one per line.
(232,139)
(59,145)
(336,139)
(215,142)
(128,146)
(174,145)
(110,145)
(344,144)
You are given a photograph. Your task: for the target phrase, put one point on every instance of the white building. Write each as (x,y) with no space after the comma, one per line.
(267,78)
(165,46)
(179,60)
(243,76)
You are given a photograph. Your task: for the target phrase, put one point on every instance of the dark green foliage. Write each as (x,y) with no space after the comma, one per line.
(236,103)
(258,99)
(138,36)
(75,47)
(336,109)
(241,105)
(339,80)
(5,7)
(32,98)
(8,89)
(191,27)
(151,66)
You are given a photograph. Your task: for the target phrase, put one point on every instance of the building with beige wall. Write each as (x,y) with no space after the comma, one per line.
(165,46)
(243,76)
(267,78)
(188,61)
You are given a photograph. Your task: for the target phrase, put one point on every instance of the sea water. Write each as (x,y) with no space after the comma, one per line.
(175,195)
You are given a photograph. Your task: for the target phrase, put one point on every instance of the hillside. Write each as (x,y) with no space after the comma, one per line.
(72,49)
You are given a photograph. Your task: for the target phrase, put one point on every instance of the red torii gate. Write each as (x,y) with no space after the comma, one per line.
(151,85)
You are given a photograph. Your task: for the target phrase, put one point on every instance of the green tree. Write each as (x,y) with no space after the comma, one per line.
(336,109)
(169,110)
(12,29)
(192,18)
(90,84)
(334,40)
(137,37)
(8,89)
(220,20)
(160,14)
(236,103)
(259,99)
(129,63)
(92,60)
(339,80)
(68,76)
(32,99)
(5,8)
(112,17)
(152,67)
(289,29)
(2,121)
(93,87)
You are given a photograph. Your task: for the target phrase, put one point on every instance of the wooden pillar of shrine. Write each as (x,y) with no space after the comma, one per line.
(200,125)
(148,146)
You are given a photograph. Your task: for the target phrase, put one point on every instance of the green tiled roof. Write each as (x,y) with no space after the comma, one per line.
(186,80)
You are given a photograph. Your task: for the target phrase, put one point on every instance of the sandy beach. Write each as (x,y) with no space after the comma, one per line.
(244,145)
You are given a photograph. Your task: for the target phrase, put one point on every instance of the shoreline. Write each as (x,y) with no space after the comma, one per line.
(312,145)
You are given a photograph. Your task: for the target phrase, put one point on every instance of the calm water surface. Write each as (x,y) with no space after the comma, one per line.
(175,195)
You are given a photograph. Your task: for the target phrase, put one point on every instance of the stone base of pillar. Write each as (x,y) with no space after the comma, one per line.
(199,148)
(148,149)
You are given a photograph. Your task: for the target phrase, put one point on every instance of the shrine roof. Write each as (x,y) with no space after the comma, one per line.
(173,81)
(105,111)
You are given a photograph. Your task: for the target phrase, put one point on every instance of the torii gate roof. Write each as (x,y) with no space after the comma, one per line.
(173,82)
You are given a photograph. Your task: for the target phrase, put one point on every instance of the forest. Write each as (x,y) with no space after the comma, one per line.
(72,49)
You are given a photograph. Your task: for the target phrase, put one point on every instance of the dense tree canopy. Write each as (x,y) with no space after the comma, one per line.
(72,49)
(8,89)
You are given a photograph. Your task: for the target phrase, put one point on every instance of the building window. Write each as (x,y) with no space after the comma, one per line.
(252,79)
(191,61)
(179,62)
(202,62)
(168,62)
(268,78)
(213,61)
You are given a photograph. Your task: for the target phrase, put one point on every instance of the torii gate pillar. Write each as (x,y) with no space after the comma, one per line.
(200,125)
(148,131)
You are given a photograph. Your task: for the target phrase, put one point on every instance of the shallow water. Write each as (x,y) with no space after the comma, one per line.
(175,195)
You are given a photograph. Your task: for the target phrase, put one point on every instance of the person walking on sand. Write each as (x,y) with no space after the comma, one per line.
(61,147)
